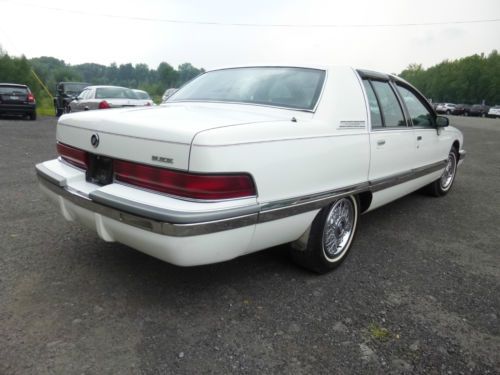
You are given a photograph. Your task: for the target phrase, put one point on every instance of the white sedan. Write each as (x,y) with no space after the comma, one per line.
(105,97)
(242,159)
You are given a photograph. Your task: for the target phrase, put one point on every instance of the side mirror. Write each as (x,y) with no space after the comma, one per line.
(442,122)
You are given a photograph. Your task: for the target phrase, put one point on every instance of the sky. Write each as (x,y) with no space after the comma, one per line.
(379,35)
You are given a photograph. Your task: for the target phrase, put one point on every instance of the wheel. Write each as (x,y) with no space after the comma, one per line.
(448,112)
(483,114)
(67,109)
(466,113)
(443,185)
(331,236)
(32,116)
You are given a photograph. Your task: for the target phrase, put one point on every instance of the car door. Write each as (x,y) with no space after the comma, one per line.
(391,139)
(431,144)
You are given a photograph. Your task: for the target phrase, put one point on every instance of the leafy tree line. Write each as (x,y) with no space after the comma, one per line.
(52,70)
(467,80)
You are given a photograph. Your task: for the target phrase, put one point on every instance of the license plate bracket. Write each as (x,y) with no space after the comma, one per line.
(100,170)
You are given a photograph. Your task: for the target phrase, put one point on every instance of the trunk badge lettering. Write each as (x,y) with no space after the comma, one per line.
(162,159)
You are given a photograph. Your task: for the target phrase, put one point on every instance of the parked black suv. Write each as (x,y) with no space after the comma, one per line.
(17,100)
(65,93)
(479,110)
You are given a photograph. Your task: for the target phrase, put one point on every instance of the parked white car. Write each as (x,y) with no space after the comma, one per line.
(447,108)
(243,159)
(494,112)
(104,97)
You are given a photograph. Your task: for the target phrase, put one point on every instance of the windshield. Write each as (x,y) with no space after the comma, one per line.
(114,93)
(297,88)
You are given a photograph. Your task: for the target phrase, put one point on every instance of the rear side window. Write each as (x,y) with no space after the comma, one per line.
(376,117)
(420,115)
(391,110)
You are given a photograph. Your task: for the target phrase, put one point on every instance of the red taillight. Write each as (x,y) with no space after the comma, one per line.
(31,98)
(74,156)
(104,105)
(195,186)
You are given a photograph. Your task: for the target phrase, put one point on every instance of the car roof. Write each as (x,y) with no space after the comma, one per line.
(106,86)
(13,84)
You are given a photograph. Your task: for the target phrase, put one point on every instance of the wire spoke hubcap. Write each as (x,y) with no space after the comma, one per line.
(339,227)
(449,172)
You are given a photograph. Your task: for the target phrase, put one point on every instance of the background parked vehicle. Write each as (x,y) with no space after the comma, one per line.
(167,94)
(143,95)
(447,108)
(104,97)
(494,111)
(461,109)
(479,110)
(17,99)
(65,93)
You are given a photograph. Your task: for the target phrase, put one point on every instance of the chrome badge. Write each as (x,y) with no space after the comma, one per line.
(162,159)
(94,140)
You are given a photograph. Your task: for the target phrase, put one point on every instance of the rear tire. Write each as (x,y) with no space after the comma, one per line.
(331,236)
(32,116)
(442,186)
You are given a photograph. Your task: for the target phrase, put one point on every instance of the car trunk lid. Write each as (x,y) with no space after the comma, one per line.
(159,136)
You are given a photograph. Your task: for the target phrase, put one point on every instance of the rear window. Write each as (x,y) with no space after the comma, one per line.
(13,90)
(114,93)
(142,95)
(289,87)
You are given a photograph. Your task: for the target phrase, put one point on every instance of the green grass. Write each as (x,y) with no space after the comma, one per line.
(44,106)
(378,332)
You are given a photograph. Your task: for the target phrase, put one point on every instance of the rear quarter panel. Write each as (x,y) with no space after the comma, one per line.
(287,159)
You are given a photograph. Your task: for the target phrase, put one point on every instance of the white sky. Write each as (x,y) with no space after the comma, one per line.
(76,37)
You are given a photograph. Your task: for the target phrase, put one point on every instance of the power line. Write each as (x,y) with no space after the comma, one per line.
(255,25)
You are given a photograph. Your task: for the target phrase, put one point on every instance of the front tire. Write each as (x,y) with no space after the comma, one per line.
(443,185)
(331,236)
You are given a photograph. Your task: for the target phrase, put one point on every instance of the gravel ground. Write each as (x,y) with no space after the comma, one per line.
(419,293)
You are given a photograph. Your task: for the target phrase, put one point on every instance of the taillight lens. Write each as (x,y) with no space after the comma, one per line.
(104,105)
(74,156)
(195,186)
(31,98)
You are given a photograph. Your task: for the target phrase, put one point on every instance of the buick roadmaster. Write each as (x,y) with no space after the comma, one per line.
(246,158)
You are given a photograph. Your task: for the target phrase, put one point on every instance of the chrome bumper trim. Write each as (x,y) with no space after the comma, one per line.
(462,154)
(149,224)
(181,224)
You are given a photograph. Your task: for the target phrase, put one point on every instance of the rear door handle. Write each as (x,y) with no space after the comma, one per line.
(381,142)
(419,138)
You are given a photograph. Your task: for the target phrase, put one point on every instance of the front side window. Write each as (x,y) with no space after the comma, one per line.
(83,94)
(295,88)
(391,110)
(420,115)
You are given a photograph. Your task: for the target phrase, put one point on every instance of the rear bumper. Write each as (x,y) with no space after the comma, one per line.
(17,108)
(147,217)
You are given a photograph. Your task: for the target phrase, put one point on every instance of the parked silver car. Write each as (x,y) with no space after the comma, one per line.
(103,97)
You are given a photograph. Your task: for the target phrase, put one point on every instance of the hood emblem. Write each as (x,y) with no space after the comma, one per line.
(94,140)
